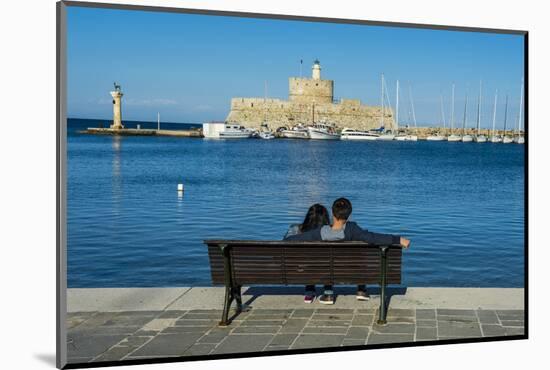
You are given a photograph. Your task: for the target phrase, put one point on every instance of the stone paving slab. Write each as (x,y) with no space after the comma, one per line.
(112,336)
(184,322)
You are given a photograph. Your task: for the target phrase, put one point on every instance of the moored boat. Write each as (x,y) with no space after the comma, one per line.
(507,140)
(265,133)
(454,138)
(436,137)
(296,132)
(479,138)
(351,134)
(323,131)
(233,131)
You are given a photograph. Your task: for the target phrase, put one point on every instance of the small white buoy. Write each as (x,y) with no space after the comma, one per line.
(180,187)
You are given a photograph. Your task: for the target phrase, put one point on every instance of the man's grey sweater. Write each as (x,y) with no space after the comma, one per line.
(350,232)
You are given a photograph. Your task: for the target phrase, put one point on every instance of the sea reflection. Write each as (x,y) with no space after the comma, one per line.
(116,146)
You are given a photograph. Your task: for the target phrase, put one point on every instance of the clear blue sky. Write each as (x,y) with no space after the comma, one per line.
(187,67)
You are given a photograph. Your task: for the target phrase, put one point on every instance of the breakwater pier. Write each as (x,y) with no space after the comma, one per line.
(112,324)
(142,132)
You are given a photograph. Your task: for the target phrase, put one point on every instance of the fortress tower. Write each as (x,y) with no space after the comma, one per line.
(117,111)
(309,90)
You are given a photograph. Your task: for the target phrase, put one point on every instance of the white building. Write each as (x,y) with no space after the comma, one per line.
(211,130)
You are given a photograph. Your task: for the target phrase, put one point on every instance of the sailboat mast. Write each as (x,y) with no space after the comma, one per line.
(465,113)
(495,112)
(442,111)
(479,110)
(158,121)
(265,101)
(382,101)
(520,107)
(412,105)
(505,115)
(397,106)
(452,108)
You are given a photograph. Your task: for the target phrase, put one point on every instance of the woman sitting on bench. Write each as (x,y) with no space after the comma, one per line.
(316,217)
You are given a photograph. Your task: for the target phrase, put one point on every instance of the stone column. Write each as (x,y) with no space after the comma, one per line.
(117,115)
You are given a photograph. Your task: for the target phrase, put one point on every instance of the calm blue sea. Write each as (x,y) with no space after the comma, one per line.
(462,205)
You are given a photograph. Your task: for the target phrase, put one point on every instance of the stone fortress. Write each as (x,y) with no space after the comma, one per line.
(309,99)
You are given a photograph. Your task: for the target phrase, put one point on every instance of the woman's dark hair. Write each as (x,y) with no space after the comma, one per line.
(316,216)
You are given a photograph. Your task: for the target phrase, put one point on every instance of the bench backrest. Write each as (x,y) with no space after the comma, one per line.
(282,262)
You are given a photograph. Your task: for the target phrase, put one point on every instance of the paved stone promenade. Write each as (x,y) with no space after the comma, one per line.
(103,335)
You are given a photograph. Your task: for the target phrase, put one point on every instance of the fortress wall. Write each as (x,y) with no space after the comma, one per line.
(250,112)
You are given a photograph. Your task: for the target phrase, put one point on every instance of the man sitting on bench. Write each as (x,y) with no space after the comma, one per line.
(344,230)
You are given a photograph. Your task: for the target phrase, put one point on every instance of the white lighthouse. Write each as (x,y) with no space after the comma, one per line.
(117,111)
(316,70)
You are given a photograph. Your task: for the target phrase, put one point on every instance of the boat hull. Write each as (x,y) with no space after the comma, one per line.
(235,135)
(467,139)
(480,139)
(315,134)
(358,137)
(289,134)
(454,138)
(387,137)
(406,138)
(435,138)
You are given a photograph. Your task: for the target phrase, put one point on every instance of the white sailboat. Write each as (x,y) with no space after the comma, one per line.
(479,138)
(386,135)
(265,133)
(438,136)
(453,136)
(494,137)
(404,136)
(465,138)
(520,139)
(412,137)
(505,138)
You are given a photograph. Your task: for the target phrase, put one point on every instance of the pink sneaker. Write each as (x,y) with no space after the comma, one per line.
(309,297)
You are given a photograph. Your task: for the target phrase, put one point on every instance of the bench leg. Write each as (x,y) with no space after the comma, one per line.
(226,305)
(383,272)
(238,298)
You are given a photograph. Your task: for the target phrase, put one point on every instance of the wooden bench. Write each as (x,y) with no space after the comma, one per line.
(235,263)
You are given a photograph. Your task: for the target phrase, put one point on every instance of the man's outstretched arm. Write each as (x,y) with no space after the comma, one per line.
(357,233)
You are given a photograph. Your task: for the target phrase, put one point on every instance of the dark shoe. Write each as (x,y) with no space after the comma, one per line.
(362,295)
(309,297)
(327,299)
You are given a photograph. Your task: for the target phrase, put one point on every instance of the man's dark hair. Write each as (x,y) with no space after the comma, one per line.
(341,208)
